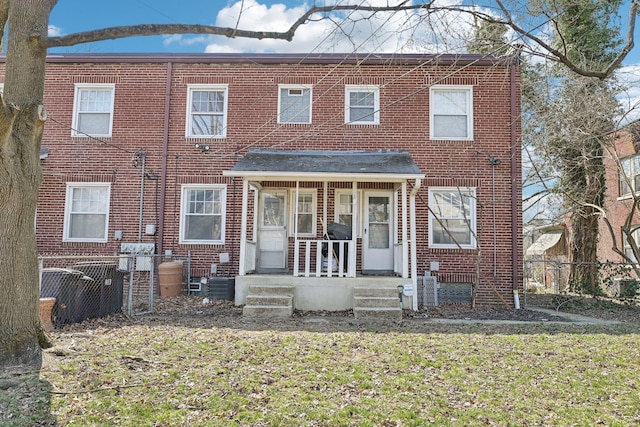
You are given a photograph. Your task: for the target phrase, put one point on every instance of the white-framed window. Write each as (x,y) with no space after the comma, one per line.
(452,217)
(306,211)
(635,233)
(344,209)
(294,104)
(362,105)
(86,212)
(451,112)
(202,214)
(93,110)
(207,111)
(631,182)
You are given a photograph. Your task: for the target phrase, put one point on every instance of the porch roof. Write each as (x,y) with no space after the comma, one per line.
(326,165)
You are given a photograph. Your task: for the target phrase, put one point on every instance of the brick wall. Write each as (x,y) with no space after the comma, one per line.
(139,122)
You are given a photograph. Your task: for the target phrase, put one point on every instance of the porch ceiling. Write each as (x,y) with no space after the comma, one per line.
(326,165)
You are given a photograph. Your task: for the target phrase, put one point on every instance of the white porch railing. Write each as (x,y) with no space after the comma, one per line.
(310,260)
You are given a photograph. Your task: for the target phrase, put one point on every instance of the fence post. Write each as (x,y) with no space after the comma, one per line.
(151,285)
(130,296)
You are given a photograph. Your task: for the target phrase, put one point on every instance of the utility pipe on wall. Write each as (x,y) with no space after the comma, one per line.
(143,156)
(514,149)
(165,150)
(414,246)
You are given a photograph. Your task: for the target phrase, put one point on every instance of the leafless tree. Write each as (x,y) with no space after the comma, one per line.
(23,117)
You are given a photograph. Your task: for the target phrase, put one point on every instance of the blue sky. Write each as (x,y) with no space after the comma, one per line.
(80,15)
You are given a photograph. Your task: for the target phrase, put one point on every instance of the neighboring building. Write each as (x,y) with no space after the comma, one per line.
(247,160)
(622,164)
(546,256)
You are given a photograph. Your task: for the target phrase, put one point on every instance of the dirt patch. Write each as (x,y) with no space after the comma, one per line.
(194,309)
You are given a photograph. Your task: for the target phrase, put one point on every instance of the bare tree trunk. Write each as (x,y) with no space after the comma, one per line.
(584,274)
(588,180)
(22,119)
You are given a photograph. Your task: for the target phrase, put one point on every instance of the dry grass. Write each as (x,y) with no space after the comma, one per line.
(214,368)
(191,365)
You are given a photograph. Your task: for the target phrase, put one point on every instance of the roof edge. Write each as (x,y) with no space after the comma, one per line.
(282,58)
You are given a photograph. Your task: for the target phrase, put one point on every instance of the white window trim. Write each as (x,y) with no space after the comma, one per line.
(376,104)
(432,110)
(76,107)
(631,178)
(359,207)
(67,211)
(223,214)
(293,207)
(303,87)
(188,121)
(472,220)
(625,244)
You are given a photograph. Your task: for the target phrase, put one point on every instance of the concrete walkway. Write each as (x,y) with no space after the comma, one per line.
(553,314)
(576,318)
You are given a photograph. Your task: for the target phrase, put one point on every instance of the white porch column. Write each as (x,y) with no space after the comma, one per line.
(325,196)
(243,228)
(355,221)
(405,234)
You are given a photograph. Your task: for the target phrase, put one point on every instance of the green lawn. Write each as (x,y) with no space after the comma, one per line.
(336,374)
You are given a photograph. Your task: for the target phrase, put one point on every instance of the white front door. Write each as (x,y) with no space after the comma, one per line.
(272,230)
(377,256)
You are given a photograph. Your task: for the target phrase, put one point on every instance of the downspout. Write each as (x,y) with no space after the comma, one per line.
(414,245)
(142,155)
(165,154)
(514,178)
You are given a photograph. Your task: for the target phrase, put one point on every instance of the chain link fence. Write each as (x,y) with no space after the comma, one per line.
(81,287)
(88,287)
(549,276)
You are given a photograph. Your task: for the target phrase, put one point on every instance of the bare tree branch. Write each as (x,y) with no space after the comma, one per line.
(164,29)
(507,19)
(561,56)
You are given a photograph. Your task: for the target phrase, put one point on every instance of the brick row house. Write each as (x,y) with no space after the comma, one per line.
(324,172)
(622,178)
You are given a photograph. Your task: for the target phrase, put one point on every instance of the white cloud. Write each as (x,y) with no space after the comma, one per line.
(54,31)
(344,32)
(629,77)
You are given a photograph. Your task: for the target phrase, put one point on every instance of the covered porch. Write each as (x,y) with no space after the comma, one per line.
(325,222)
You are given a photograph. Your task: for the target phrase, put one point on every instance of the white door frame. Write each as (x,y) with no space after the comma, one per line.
(378,259)
(272,232)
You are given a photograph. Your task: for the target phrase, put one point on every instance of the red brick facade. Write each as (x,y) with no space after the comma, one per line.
(150,110)
(624,147)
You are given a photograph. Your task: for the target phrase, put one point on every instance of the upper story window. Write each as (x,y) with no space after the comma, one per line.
(207,111)
(93,110)
(294,104)
(451,112)
(630,176)
(86,213)
(202,218)
(452,217)
(362,105)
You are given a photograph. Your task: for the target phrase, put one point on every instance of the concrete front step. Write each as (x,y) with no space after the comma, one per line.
(270,300)
(376,302)
(267,311)
(271,290)
(372,313)
(371,291)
